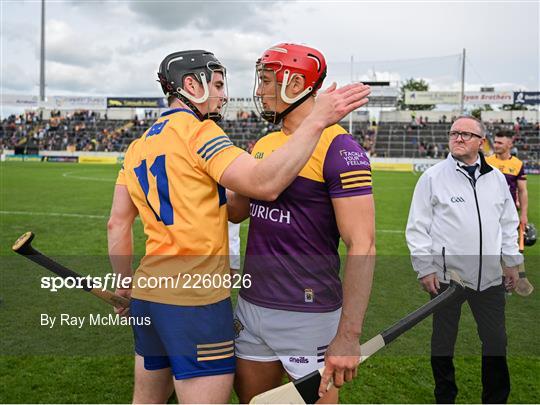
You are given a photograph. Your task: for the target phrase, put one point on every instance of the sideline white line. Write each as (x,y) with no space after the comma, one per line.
(70,176)
(53,214)
(390,231)
(60,214)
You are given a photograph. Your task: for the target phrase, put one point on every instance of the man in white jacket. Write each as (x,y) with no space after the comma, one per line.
(463,218)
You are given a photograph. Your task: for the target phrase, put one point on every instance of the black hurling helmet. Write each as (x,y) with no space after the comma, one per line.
(199,64)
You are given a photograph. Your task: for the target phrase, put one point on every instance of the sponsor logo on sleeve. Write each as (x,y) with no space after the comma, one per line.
(354,158)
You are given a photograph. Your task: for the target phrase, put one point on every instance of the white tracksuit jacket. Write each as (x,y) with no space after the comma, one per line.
(455,225)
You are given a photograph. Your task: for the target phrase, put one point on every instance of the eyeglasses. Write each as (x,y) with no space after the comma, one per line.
(466,136)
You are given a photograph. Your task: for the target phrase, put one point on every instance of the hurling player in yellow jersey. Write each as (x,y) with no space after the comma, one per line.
(297,316)
(173,177)
(514,172)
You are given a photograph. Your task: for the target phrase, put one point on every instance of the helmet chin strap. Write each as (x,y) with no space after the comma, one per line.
(201,99)
(273,116)
(189,99)
(191,106)
(283,93)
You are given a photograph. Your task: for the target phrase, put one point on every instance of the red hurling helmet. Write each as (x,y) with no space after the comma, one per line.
(285,61)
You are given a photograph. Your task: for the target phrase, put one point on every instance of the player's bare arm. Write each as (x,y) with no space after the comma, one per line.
(266,179)
(237,207)
(355,217)
(120,236)
(523,198)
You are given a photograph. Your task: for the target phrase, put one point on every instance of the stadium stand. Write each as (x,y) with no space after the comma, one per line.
(426,139)
(398,139)
(91,131)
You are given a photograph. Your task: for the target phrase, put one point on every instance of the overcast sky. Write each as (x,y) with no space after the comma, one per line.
(114,48)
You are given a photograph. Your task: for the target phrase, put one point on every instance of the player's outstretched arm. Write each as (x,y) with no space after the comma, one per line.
(120,236)
(266,179)
(355,217)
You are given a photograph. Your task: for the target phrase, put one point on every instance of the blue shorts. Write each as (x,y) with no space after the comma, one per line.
(193,341)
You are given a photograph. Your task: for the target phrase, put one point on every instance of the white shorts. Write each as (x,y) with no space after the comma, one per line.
(298,339)
(234,246)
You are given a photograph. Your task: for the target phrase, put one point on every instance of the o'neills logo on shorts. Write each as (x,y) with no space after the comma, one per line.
(300,359)
(270,214)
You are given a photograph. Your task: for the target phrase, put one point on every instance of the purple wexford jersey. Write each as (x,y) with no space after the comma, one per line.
(513,170)
(292,248)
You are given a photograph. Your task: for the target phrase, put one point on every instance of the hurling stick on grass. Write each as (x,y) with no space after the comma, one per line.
(23,246)
(306,389)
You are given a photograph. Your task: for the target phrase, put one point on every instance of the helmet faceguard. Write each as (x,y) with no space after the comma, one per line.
(262,84)
(202,66)
(285,61)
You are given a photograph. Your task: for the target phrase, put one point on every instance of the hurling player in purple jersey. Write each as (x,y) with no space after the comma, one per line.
(297,315)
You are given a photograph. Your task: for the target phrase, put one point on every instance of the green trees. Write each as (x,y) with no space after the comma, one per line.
(413,85)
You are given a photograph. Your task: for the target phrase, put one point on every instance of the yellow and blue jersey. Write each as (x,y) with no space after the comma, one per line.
(172,173)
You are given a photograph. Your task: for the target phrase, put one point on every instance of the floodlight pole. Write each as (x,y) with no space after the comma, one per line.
(42,57)
(462,96)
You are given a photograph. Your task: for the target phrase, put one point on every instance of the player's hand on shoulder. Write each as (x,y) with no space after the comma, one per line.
(335,103)
(126,293)
(340,362)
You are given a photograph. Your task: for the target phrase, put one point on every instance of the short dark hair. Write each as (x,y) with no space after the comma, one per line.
(479,122)
(171,99)
(504,133)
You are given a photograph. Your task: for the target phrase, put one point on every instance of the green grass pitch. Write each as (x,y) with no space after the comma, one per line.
(66,206)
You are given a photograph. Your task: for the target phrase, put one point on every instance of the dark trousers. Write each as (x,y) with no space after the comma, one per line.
(488,310)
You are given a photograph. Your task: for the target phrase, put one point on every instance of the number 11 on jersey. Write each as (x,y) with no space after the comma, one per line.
(159,171)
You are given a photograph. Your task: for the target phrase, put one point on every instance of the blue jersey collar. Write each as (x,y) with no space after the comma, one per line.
(175,110)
